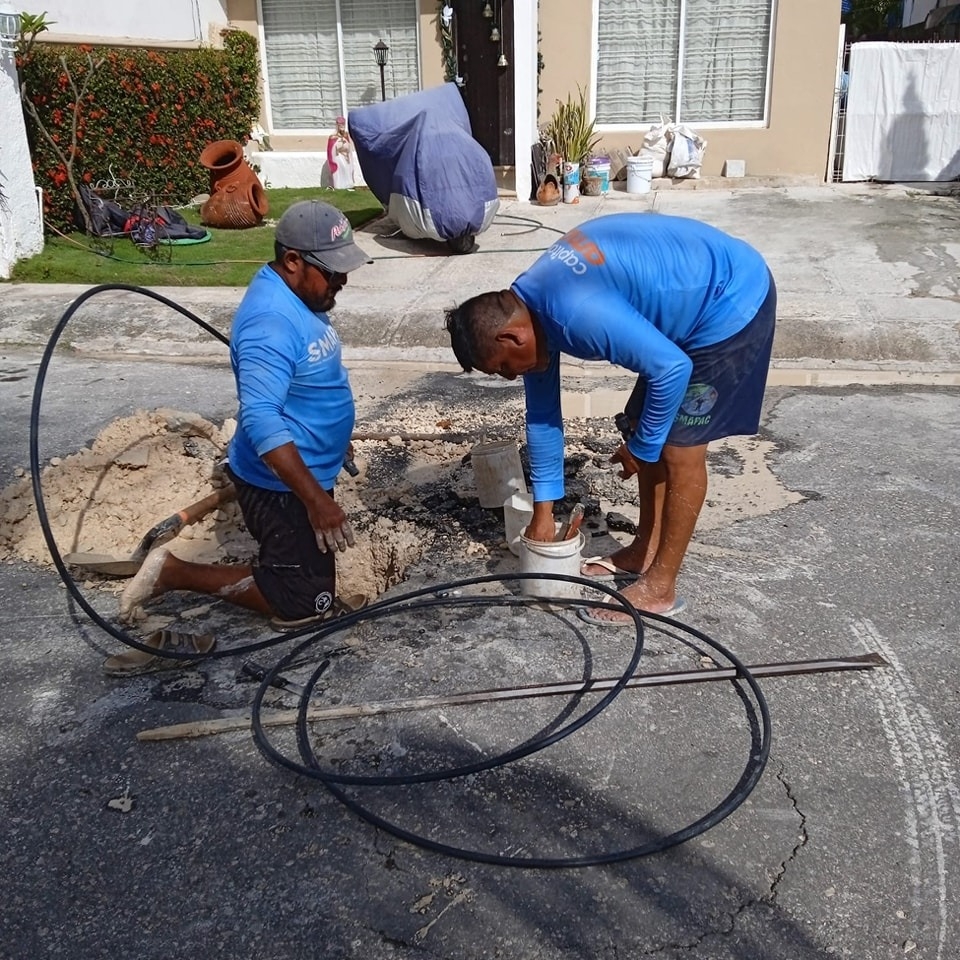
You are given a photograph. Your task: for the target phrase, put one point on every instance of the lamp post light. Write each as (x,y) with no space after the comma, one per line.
(9,29)
(380,51)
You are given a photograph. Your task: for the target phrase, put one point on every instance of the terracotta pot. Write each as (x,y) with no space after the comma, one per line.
(237,198)
(591,186)
(548,193)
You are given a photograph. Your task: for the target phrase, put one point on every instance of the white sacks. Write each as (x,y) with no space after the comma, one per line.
(656,145)
(686,152)
(675,150)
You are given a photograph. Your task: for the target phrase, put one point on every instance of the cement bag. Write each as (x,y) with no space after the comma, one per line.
(686,152)
(656,145)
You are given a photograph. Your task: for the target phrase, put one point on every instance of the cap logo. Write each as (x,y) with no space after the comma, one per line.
(340,229)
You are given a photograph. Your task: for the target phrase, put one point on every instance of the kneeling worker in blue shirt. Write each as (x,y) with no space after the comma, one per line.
(687,307)
(294,421)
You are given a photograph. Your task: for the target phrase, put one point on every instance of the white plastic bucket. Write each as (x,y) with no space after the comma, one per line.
(571,182)
(559,557)
(639,174)
(517,514)
(497,471)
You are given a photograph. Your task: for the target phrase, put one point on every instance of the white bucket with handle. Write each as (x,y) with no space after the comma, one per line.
(561,557)
(639,174)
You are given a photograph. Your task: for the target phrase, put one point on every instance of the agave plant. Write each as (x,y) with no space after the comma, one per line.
(571,129)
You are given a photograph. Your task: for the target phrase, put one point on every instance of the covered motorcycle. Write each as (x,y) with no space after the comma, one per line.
(420,160)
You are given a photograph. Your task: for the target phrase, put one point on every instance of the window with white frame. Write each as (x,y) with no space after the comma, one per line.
(695,61)
(320,61)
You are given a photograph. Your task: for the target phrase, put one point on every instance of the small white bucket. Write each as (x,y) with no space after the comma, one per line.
(517,514)
(639,174)
(559,557)
(497,471)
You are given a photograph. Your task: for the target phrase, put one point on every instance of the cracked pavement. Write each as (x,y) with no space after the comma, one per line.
(847,847)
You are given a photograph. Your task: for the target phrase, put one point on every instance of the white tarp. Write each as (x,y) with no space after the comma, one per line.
(903,112)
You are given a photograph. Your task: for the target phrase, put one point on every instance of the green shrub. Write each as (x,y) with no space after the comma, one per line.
(145,115)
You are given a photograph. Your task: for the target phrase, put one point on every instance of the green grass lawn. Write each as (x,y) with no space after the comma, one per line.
(229,259)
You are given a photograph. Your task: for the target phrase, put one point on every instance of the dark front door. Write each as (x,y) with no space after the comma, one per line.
(488,86)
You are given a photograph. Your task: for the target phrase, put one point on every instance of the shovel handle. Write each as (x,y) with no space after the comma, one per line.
(169,528)
(570,529)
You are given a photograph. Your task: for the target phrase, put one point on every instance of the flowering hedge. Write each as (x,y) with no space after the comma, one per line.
(145,115)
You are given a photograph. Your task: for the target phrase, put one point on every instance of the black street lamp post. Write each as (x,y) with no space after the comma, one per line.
(380,51)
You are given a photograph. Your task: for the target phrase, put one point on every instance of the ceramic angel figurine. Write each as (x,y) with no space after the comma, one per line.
(340,157)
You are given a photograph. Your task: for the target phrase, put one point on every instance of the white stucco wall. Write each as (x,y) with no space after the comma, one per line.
(20,232)
(172,21)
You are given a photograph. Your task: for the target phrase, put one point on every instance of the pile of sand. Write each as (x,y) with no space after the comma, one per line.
(144,468)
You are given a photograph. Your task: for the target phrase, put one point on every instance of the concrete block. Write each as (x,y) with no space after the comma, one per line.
(735,168)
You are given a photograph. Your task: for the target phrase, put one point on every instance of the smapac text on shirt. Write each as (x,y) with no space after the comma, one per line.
(320,349)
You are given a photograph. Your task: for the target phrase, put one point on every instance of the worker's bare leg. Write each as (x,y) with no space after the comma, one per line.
(163,572)
(684,489)
(637,555)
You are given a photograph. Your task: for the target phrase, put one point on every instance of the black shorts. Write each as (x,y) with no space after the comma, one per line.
(295,578)
(725,393)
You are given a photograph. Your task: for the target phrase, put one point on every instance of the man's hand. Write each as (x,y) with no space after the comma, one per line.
(630,467)
(542,526)
(331,526)
(329,522)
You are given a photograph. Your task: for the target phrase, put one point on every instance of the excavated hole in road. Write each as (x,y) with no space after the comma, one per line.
(414,499)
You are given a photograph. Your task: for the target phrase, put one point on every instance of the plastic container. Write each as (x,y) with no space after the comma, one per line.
(497,471)
(600,167)
(571,182)
(639,174)
(559,557)
(517,514)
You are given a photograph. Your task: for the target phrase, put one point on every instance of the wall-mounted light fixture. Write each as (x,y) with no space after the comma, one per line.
(9,28)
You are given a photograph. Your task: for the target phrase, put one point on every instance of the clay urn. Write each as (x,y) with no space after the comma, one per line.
(237,198)
(548,193)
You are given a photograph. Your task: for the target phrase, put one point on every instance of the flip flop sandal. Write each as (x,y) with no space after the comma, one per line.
(614,572)
(136,662)
(584,614)
(339,608)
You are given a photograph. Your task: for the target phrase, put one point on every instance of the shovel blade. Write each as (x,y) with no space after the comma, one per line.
(103,563)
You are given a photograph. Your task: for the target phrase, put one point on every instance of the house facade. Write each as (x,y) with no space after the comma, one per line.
(754,78)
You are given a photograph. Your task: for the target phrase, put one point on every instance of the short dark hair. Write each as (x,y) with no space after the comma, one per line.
(278,251)
(473,325)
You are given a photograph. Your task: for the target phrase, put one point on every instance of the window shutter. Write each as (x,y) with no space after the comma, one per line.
(637,63)
(303,57)
(364,23)
(721,71)
(301,52)
(725,60)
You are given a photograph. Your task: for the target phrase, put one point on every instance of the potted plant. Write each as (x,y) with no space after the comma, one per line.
(571,131)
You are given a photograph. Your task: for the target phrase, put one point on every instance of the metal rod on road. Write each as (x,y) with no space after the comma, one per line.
(278,718)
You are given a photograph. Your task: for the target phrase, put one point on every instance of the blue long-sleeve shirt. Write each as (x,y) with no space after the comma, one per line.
(291,385)
(637,290)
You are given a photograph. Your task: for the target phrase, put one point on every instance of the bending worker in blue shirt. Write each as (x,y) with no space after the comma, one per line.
(688,308)
(294,422)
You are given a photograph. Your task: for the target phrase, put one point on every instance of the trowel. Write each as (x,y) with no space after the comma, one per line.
(107,565)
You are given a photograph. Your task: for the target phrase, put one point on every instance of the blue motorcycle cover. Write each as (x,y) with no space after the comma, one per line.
(420,160)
